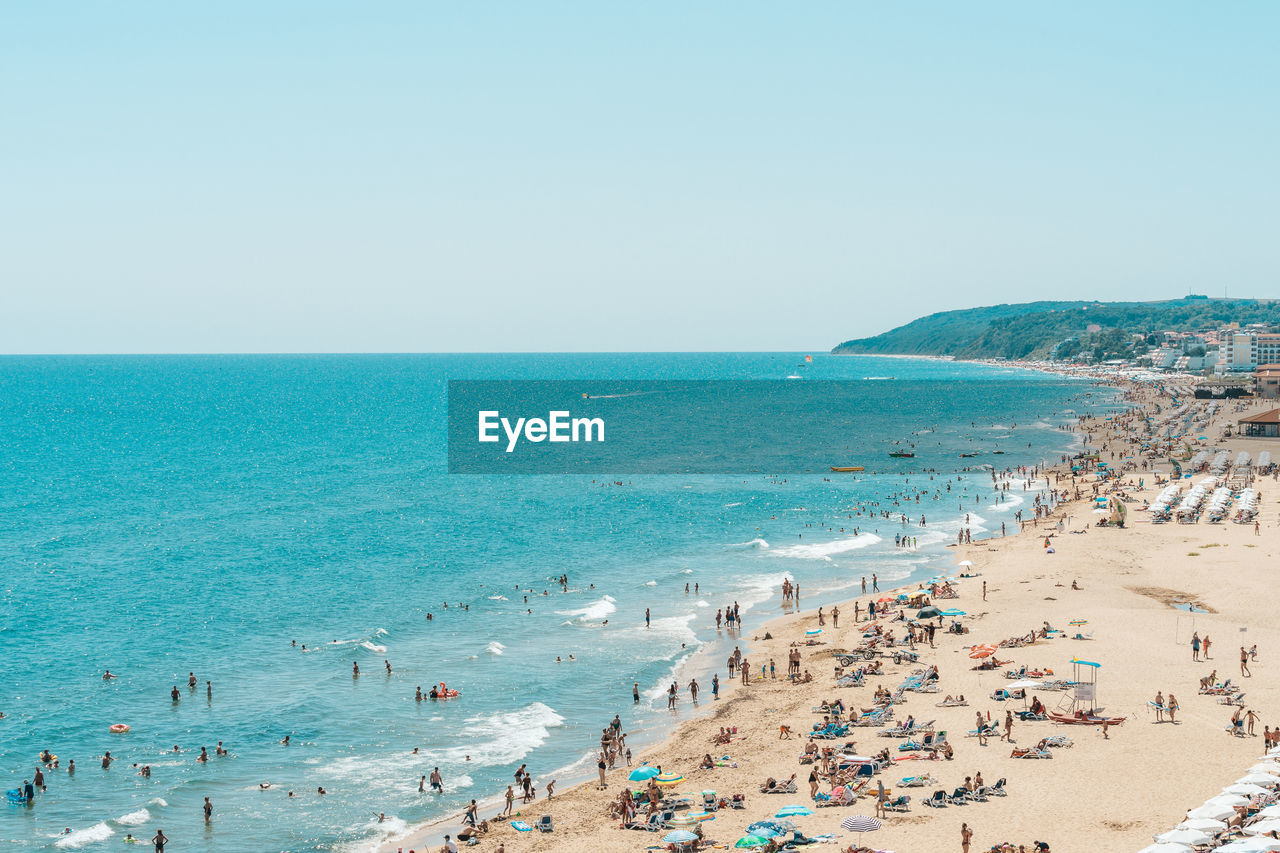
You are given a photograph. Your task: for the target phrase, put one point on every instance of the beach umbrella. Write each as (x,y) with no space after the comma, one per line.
(1265,767)
(1275,750)
(1203,824)
(965,563)
(1228,800)
(1263,827)
(928,613)
(813,632)
(682,821)
(953,613)
(1251,845)
(1246,789)
(794,811)
(1166,848)
(1260,779)
(1023,684)
(860,823)
(751,841)
(1194,837)
(1270,811)
(640,774)
(1212,810)
(664,779)
(983,650)
(680,836)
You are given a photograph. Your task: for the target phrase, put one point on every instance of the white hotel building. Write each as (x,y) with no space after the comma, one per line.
(1242,352)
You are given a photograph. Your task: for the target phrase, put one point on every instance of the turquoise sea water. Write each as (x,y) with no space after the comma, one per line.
(167,515)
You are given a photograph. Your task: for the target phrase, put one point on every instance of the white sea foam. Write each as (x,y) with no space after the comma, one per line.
(735,503)
(650,583)
(81,837)
(593,612)
(702,604)
(498,598)
(687,572)
(158,801)
(825,550)
(754,543)
(141,816)
(373,647)
(494,648)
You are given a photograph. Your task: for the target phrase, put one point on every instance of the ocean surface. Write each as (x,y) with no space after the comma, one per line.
(161,516)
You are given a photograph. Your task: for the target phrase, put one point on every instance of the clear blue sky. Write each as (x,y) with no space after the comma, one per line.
(311,176)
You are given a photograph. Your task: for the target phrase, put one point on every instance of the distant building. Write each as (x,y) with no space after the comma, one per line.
(1242,352)
(1266,381)
(1264,425)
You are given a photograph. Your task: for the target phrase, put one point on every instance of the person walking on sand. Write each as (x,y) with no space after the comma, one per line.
(1195,645)
(1251,718)
(1158,704)
(693,690)
(835,616)
(1171,707)
(1008,727)
(1205,646)
(966,836)
(984,590)
(511,798)
(715,687)
(1244,663)
(744,668)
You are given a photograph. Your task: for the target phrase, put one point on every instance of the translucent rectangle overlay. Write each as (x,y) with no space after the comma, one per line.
(779,427)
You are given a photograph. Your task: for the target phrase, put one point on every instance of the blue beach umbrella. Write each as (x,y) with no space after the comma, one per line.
(680,836)
(794,811)
(813,633)
(642,774)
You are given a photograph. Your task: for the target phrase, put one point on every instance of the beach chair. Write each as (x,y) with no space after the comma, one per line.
(938,800)
(544,823)
(1030,753)
(1060,741)
(898,804)
(998,788)
(917,781)
(788,787)
(739,801)
(979,795)
(959,797)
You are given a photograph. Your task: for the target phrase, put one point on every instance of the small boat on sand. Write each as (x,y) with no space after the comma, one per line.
(1082,719)
(846,469)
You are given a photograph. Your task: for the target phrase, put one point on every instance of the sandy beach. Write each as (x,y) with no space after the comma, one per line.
(1107,793)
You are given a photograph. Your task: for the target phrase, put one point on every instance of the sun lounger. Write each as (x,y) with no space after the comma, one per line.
(1058,741)
(1030,753)
(998,789)
(737,801)
(959,797)
(917,781)
(938,800)
(788,787)
(544,823)
(898,804)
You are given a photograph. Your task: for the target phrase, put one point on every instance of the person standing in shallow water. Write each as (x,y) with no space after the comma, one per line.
(646,617)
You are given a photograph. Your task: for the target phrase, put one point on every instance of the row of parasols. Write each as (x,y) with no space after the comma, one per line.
(1205,825)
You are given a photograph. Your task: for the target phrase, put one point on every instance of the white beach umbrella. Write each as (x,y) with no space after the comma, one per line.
(1255,778)
(1166,848)
(965,563)
(1023,684)
(1203,824)
(1266,767)
(1211,810)
(1262,827)
(1246,789)
(1271,811)
(1251,845)
(1194,837)
(1228,799)
(1275,750)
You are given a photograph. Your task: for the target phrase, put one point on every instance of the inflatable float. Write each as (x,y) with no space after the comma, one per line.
(119,728)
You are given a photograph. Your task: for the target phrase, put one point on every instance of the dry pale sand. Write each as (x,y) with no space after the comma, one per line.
(1099,795)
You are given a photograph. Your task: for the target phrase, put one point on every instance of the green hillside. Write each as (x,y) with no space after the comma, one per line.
(1059,329)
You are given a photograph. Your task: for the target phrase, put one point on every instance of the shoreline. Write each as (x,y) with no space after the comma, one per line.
(429,833)
(737,703)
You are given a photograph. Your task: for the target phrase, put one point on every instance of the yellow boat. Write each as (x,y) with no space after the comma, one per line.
(846,469)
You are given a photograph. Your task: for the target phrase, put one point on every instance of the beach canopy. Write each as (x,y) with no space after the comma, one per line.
(1263,827)
(1268,766)
(794,811)
(1086,663)
(1246,789)
(751,841)
(640,774)
(1228,800)
(1259,778)
(983,650)
(1213,811)
(929,613)
(680,836)
(860,823)
(668,779)
(1194,837)
(1203,824)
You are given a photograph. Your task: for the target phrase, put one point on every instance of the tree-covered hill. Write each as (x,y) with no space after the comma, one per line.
(1046,329)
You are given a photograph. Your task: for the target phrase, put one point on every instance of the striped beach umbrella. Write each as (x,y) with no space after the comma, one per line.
(983,650)
(668,779)
(683,821)
(860,823)
(680,836)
